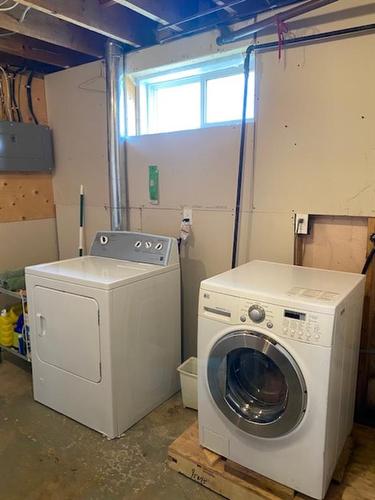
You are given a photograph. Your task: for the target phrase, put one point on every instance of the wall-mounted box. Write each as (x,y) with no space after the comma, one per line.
(25,147)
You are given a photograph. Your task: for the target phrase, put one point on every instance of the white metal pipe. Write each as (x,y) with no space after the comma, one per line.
(233,36)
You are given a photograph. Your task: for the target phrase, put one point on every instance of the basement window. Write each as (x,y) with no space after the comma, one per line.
(195,96)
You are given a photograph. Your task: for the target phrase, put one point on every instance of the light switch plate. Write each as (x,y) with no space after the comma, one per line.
(301,224)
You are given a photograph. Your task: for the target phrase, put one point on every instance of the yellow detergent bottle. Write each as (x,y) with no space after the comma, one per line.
(14,313)
(6,329)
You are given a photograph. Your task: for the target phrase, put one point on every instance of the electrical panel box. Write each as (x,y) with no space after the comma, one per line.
(25,147)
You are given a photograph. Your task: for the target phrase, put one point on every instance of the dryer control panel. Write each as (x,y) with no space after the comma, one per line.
(290,322)
(135,247)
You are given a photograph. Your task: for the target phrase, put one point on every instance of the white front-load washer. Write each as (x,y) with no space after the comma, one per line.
(105,330)
(277,363)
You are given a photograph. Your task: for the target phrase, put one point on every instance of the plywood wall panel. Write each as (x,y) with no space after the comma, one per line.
(336,243)
(25,196)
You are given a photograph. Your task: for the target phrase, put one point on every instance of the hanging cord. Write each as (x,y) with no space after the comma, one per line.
(370,255)
(241,158)
(29,97)
(282,30)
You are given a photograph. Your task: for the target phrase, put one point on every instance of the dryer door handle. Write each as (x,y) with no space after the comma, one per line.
(42,325)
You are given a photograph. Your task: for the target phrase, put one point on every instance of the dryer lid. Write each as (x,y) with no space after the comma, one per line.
(97,272)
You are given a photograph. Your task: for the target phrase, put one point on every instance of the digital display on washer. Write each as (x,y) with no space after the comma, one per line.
(295,315)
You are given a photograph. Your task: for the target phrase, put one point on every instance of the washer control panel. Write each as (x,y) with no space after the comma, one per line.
(308,329)
(295,324)
(135,247)
(257,313)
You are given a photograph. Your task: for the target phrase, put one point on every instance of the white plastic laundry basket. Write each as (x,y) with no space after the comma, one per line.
(188,378)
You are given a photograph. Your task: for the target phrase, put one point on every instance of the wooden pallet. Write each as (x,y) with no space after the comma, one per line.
(229,479)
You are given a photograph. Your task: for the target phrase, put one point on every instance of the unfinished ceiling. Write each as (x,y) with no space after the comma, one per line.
(48,35)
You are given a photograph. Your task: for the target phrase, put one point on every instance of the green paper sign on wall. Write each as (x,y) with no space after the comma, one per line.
(153,184)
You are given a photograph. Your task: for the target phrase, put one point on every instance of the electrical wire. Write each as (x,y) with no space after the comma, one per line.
(11,94)
(5,9)
(16,111)
(6,93)
(25,12)
(21,19)
(3,112)
(19,83)
(29,97)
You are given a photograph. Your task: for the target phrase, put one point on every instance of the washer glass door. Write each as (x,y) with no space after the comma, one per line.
(256,384)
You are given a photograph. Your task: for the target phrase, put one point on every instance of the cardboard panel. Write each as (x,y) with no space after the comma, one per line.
(272,237)
(96,219)
(197,168)
(27,243)
(205,254)
(315,148)
(77,113)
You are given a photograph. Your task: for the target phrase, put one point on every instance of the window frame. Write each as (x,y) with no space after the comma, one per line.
(146,88)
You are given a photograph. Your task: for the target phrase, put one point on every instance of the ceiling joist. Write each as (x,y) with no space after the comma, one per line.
(164,12)
(52,30)
(120,24)
(36,50)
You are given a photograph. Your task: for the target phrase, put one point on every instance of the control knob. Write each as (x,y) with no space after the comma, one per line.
(257,313)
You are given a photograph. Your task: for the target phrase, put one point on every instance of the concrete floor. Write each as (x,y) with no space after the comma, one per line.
(46,456)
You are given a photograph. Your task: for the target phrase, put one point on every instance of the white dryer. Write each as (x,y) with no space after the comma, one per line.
(277,363)
(105,330)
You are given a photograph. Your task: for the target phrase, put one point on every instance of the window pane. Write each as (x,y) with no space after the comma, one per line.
(175,108)
(225,98)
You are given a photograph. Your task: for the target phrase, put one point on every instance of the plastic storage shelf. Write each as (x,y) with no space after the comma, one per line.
(21,296)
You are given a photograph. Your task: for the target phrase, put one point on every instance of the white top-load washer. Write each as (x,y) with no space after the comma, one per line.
(277,363)
(105,330)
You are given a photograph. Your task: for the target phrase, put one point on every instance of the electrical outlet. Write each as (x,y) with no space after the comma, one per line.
(187,213)
(301,224)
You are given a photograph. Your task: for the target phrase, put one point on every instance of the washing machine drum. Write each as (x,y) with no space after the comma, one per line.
(256,384)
